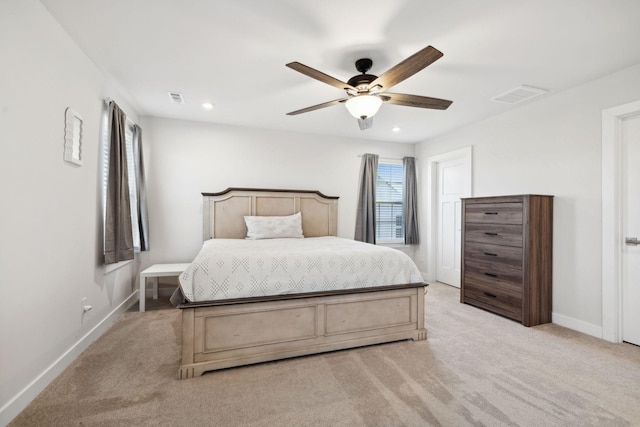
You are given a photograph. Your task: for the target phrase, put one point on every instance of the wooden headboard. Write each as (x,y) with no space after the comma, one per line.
(223,213)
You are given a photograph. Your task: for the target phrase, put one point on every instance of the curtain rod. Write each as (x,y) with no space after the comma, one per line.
(390,157)
(108,100)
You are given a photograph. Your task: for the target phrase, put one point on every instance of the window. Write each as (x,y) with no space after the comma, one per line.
(389,188)
(133,184)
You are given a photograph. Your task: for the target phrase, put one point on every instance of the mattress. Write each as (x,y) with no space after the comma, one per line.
(238,268)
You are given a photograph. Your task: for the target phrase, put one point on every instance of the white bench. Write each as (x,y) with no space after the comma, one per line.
(155,271)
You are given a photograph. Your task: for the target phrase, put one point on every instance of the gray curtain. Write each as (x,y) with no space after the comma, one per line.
(141,190)
(410,202)
(118,239)
(366,209)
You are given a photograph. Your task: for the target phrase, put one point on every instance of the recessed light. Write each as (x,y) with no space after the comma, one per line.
(207,106)
(395,129)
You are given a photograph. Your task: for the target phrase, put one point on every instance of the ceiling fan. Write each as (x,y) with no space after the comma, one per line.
(366,92)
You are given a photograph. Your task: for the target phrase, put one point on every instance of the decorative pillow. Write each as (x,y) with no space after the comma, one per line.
(274,227)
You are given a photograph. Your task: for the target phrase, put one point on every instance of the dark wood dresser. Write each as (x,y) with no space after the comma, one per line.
(507,256)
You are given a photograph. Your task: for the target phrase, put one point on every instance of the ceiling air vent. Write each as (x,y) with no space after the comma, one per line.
(176,97)
(519,94)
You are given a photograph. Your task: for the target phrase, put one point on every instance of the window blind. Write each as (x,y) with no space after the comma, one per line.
(389,212)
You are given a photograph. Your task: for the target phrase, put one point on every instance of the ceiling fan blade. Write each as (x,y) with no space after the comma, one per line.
(407,68)
(415,101)
(366,123)
(319,75)
(317,107)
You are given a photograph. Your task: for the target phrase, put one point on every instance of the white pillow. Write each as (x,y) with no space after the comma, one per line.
(274,227)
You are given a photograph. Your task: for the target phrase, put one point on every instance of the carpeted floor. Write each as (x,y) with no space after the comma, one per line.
(475,368)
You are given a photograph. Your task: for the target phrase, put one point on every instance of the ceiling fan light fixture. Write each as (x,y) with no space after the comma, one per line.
(363,106)
(367,92)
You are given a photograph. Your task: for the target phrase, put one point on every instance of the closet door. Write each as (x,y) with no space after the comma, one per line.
(631,230)
(451,185)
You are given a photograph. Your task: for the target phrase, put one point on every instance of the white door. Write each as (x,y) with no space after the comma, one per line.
(451,179)
(631,229)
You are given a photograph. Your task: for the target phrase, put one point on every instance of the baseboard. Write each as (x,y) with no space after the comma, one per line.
(577,325)
(20,401)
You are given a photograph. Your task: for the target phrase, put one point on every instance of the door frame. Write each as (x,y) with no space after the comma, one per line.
(465,154)
(612,218)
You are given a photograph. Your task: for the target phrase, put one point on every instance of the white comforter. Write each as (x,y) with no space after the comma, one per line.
(236,268)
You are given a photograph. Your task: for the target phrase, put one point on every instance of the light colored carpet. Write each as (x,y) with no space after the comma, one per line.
(475,368)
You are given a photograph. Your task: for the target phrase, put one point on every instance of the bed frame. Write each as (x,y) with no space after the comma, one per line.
(228,333)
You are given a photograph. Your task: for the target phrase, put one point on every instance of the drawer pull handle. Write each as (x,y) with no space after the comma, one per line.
(490,295)
(491,275)
(490,254)
(491,213)
(491,234)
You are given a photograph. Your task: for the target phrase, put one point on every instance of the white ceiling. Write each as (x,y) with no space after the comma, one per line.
(233,54)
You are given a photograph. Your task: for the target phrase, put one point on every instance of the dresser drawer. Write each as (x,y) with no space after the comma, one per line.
(510,255)
(490,278)
(506,310)
(495,234)
(506,303)
(494,213)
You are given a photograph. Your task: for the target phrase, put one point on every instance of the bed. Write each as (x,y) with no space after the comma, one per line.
(244,318)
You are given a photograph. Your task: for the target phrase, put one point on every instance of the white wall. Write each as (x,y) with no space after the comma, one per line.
(50,215)
(189,158)
(552,146)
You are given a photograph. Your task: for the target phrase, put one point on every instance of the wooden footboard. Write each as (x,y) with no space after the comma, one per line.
(224,336)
